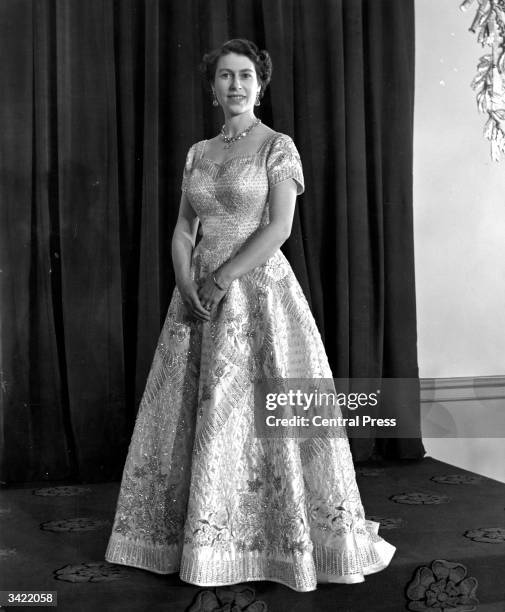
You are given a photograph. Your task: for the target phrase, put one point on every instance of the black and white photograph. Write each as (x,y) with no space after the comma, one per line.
(252,305)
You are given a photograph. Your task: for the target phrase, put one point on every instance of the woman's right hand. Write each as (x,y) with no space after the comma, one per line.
(189,294)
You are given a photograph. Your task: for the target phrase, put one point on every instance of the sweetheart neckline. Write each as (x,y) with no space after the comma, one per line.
(212,161)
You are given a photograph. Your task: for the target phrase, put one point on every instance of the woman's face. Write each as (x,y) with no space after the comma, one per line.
(236,84)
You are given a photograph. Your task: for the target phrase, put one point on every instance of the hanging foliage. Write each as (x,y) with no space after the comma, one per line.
(489,83)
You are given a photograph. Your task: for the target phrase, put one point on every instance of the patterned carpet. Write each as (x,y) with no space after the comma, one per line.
(448,526)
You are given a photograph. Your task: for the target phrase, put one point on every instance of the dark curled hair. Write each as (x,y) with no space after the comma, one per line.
(241,46)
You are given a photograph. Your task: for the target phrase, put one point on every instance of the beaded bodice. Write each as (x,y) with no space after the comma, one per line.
(231,198)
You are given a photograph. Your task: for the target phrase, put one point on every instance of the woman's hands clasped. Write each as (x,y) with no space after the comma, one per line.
(201,298)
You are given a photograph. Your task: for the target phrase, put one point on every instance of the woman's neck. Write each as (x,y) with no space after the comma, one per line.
(236,124)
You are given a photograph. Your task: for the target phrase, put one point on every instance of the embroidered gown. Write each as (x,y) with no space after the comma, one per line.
(200,494)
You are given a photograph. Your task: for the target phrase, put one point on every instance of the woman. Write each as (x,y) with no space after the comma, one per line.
(200,493)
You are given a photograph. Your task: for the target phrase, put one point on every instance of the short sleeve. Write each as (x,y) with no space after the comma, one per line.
(187,168)
(284,163)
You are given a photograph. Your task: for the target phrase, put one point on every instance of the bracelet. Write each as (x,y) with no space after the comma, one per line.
(217,284)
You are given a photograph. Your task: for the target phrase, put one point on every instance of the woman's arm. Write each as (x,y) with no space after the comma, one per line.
(268,239)
(183,240)
(183,243)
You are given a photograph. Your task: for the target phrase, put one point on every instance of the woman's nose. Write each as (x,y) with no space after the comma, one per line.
(236,82)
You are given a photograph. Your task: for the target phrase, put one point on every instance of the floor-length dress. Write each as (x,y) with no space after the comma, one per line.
(200,494)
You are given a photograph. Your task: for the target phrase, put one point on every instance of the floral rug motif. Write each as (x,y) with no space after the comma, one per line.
(456,479)
(419,498)
(442,587)
(387,522)
(74,524)
(5,553)
(488,535)
(61,491)
(96,571)
(236,598)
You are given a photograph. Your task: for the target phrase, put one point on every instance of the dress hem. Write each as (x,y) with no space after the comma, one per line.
(306,569)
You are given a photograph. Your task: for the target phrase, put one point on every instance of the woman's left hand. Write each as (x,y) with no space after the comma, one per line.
(209,294)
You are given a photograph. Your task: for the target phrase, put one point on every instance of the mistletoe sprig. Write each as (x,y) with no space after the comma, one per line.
(489,83)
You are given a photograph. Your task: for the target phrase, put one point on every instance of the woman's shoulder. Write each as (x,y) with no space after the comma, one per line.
(272,135)
(200,147)
(281,135)
(194,151)
(197,145)
(280,140)
(280,143)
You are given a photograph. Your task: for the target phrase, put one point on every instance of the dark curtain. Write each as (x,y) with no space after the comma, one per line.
(100,101)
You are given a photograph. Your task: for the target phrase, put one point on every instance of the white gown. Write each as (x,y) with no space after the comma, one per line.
(200,494)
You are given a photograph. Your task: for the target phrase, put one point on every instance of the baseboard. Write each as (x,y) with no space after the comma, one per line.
(464,388)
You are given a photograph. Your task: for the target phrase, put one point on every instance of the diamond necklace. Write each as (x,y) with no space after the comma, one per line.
(230,140)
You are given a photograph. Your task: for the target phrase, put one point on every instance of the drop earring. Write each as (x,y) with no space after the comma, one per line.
(257,103)
(214,101)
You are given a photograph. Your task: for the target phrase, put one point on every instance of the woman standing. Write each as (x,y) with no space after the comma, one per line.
(200,493)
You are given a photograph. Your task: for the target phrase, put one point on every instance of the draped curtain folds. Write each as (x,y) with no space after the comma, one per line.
(100,101)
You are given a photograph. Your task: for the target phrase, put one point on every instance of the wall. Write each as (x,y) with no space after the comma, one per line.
(459,224)
(459,204)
